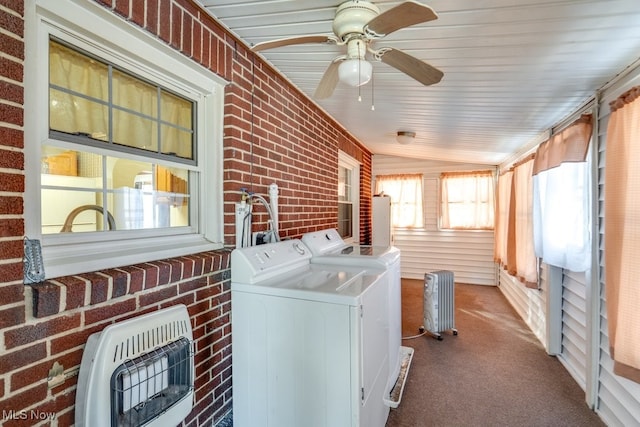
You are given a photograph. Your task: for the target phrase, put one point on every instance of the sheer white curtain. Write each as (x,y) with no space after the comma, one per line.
(405,192)
(513,247)
(467,200)
(503,201)
(562,198)
(526,263)
(622,233)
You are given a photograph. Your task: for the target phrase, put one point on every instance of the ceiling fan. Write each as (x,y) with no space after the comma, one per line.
(357,24)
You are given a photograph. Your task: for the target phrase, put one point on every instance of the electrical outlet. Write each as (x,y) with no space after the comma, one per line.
(259,238)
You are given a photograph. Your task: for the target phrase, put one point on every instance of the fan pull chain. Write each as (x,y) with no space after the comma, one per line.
(373,105)
(359,75)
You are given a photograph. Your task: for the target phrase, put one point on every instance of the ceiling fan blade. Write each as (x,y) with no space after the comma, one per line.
(404,15)
(329,80)
(294,40)
(413,67)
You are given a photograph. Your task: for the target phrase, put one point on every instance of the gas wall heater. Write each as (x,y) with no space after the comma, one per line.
(138,372)
(439,307)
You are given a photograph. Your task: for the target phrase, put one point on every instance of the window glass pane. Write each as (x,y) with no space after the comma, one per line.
(467,200)
(405,192)
(134,131)
(91,98)
(71,198)
(77,73)
(345,220)
(78,93)
(134,94)
(144,195)
(344,184)
(177,142)
(176,111)
(138,195)
(177,126)
(75,115)
(69,210)
(135,112)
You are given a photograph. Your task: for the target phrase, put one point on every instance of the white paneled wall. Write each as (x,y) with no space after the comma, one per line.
(528,303)
(574,325)
(616,399)
(469,254)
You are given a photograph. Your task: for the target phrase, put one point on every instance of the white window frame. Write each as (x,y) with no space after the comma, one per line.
(92,28)
(353,167)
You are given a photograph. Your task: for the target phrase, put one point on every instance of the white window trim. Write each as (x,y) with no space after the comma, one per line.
(87,24)
(353,166)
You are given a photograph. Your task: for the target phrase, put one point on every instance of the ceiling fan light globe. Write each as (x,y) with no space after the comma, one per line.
(355,72)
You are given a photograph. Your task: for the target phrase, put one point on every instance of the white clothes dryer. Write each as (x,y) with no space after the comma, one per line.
(328,247)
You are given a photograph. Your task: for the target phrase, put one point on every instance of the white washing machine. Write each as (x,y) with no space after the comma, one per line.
(328,247)
(309,340)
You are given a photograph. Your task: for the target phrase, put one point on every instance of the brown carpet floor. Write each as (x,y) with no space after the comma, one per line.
(494,372)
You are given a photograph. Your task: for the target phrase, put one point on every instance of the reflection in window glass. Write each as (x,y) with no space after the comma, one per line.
(138,195)
(345,220)
(344,184)
(345,203)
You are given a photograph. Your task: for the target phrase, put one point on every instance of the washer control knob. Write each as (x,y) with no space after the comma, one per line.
(299,248)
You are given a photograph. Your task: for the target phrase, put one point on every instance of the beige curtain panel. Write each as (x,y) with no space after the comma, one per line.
(622,234)
(79,103)
(526,261)
(514,247)
(503,199)
(570,145)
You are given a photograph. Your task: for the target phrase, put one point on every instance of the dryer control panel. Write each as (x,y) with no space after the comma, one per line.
(257,263)
(324,241)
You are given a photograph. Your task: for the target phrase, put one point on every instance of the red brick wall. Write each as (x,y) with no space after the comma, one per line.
(294,145)
(272,134)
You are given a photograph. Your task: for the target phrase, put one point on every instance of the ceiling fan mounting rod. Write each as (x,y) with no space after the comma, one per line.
(357,48)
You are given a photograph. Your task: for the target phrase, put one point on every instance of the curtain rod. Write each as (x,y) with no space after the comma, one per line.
(631,68)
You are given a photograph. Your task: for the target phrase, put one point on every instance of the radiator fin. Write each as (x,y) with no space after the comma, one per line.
(439,298)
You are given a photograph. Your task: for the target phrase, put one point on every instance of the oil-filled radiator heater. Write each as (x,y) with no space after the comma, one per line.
(439,303)
(138,372)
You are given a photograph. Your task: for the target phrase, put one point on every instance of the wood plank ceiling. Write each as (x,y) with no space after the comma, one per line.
(512,69)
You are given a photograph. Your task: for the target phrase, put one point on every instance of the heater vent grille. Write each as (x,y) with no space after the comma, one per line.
(145,387)
(149,339)
(138,372)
